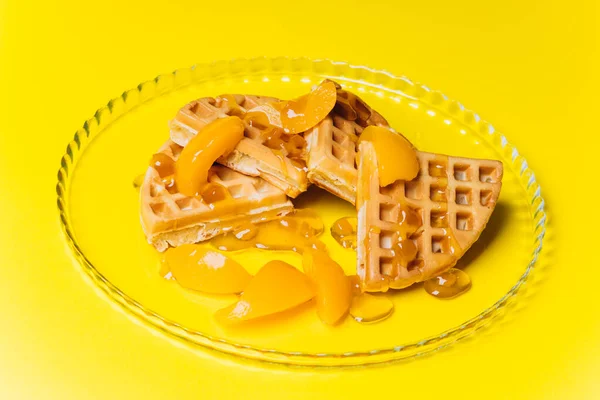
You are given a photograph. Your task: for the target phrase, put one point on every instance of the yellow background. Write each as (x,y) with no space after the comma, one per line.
(529,67)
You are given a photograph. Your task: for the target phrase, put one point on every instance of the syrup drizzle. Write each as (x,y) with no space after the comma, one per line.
(449,284)
(344,232)
(295,232)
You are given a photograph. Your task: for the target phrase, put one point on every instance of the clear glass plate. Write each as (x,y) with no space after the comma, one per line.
(98,208)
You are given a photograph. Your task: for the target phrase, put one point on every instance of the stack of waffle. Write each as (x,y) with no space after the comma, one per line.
(453,197)
(170,218)
(252,156)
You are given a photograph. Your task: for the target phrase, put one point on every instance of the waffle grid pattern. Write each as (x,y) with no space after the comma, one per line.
(195,115)
(332,156)
(252,156)
(454,198)
(344,136)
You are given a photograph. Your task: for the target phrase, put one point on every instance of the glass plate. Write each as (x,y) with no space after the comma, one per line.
(98,208)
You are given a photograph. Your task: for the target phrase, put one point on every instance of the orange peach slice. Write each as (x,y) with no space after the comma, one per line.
(396,156)
(216,139)
(206,270)
(334,292)
(276,287)
(305,112)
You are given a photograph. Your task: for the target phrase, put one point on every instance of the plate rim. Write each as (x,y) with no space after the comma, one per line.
(325,68)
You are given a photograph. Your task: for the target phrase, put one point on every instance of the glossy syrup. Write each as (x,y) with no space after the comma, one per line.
(449,284)
(344,232)
(212,193)
(367,308)
(245,232)
(165,166)
(295,232)
(234,107)
(404,250)
(137,181)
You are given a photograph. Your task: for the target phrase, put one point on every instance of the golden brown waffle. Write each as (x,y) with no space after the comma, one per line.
(175,219)
(454,198)
(251,156)
(332,150)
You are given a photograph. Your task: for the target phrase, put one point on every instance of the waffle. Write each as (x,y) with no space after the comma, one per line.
(453,197)
(332,148)
(175,219)
(251,156)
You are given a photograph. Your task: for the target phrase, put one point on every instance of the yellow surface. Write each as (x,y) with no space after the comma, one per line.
(131,263)
(528,67)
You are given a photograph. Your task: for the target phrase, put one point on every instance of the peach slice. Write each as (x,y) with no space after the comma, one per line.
(334,292)
(277,287)
(206,270)
(163,164)
(396,156)
(305,112)
(216,139)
